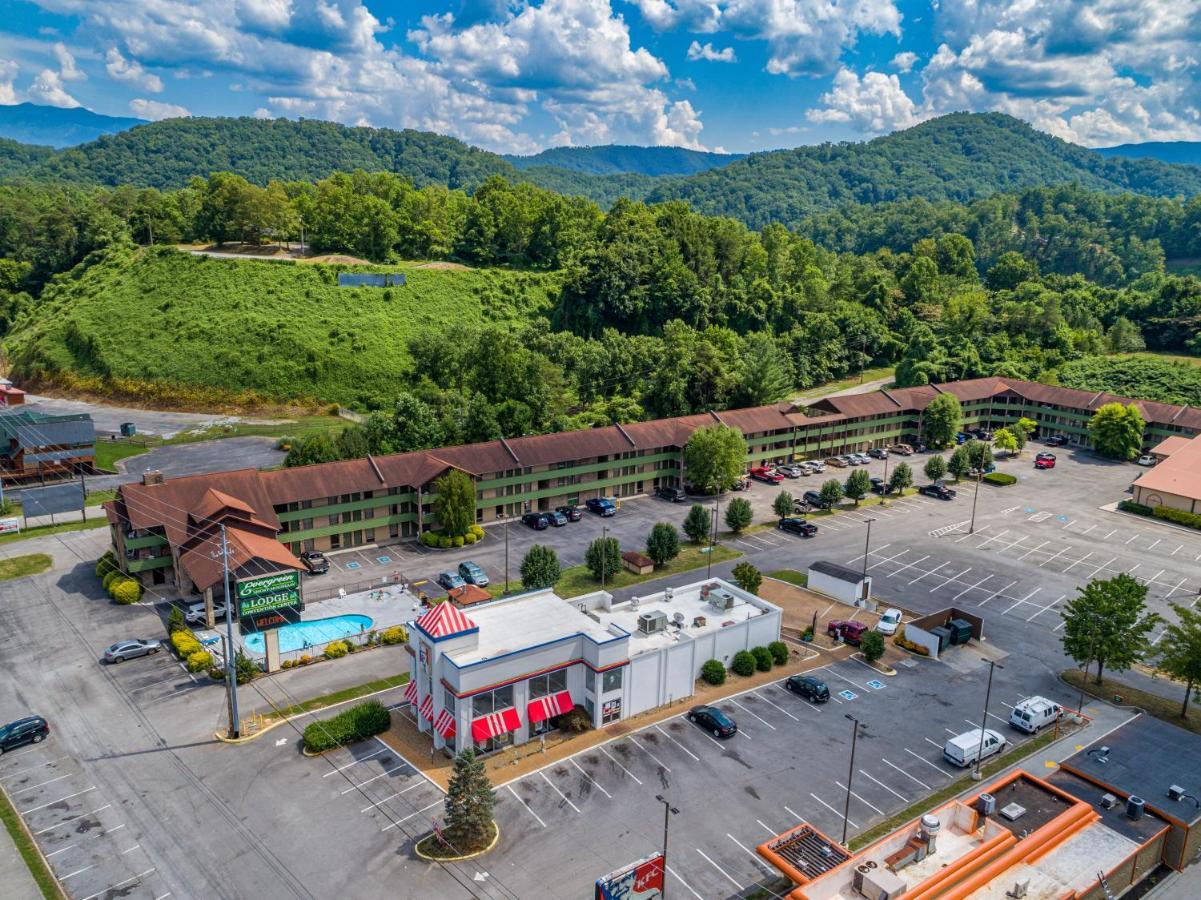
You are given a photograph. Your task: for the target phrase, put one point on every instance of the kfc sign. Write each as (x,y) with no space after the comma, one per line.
(642,880)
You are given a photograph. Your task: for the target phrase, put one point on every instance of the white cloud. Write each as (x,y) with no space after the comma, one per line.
(873,104)
(155,109)
(707,52)
(903,62)
(48,89)
(262,113)
(130,71)
(67,70)
(8,74)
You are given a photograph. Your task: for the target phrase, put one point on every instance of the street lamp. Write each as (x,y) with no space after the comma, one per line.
(506,554)
(668,812)
(979,476)
(712,539)
(846,810)
(984,717)
(866,544)
(604,554)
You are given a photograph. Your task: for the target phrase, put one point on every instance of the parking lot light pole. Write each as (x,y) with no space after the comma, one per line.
(846,810)
(231,675)
(604,554)
(984,718)
(668,812)
(712,540)
(972,528)
(867,543)
(506,554)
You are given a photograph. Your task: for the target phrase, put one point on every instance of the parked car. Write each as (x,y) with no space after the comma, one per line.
(472,574)
(814,499)
(880,486)
(878,453)
(961,437)
(817,466)
(573,513)
(901,449)
(789,471)
(713,720)
(556,518)
(450,581)
(963,749)
(766,475)
(799,527)
(1044,461)
(194,614)
(740,484)
(859,459)
(812,689)
(937,491)
(1057,440)
(30,730)
(800,506)
(674,494)
(1034,714)
(131,649)
(602,506)
(976,473)
(315,562)
(1146,460)
(847,631)
(889,622)
(537,521)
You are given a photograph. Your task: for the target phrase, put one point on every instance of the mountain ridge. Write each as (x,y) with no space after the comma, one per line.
(58,127)
(1173,152)
(626,159)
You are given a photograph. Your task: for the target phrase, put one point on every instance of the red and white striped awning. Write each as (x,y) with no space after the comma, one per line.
(427,708)
(552,705)
(445,725)
(497,723)
(411,692)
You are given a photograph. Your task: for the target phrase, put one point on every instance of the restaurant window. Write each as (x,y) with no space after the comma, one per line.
(449,700)
(611,680)
(492,701)
(545,685)
(590,680)
(611,711)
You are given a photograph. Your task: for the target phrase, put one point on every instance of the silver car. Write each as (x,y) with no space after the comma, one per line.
(123,650)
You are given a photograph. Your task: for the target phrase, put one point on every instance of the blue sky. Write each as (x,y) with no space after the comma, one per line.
(521,75)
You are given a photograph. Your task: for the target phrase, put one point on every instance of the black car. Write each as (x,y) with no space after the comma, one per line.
(713,720)
(674,494)
(938,491)
(573,513)
(30,730)
(1057,440)
(880,486)
(799,527)
(315,562)
(812,689)
(537,521)
(814,499)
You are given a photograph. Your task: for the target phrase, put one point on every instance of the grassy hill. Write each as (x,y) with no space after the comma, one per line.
(53,126)
(616,159)
(142,320)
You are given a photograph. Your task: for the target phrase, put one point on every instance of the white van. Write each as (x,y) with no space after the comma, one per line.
(963,749)
(1035,713)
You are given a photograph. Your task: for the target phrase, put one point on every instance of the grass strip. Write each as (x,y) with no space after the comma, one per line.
(20,566)
(930,801)
(578,580)
(1122,694)
(98,521)
(38,867)
(350,693)
(109,453)
(792,576)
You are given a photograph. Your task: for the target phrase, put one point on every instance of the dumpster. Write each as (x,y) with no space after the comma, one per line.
(961,631)
(128,429)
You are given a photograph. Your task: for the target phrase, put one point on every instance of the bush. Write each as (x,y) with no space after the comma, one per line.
(762,658)
(540,568)
(199,661)
(663,543)
(175,621)
(478,531)
(1179,516)
(185,643)
(354,724)
(575,720)
(126,591)
(394,635)
(738,514)
(747,577)
(106,581)
(469,538)
(428,538)
(1137,508)
(287,664)
(217,674)
(713,672)
(445,542)
(458,540)
(1001,479)
(872,646)
(244,668)
(901,641)
(336,650)
(304,660)
(743,663)
(779,652)
(105,564)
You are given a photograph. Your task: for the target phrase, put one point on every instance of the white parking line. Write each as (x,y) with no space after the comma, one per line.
(840,675)
(59,800)
(749,712)
(949,580)
(131,849)
(886,560)
(32,768)
(1157,541)
(685,883)
(120,884)
(1032,549)
(1051,559)
(355,763)
(415,784)
(995,537)
(648,753)
(595,783)
(719,868)
(1132,537)
(559,792)
(1024,599)
(751,853)
(1077,562)
(34,787)
(77,872)
(355,787)
(816,709)
(1168,596)
(971,588)
(779,708)
(874,552)
(850,821)
(1104,565)
(997,593)
(907,566)
(930,572)
(73,818)
(882,784)
(937,769)
(772,831)
(523,803)
(677,743)
(398,822)
(637,780)
(906,774)
(860,799)
(796,815)
(1043,609)
(1177,550)
(969,534)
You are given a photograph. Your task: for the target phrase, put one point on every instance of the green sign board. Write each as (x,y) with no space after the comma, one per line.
(259,595)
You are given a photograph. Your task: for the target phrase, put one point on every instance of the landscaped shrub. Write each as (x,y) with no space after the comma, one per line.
(445,542)
(304,660)
(872,646)
(1137,508)
(199,661)
(575,720)
(743,663)
(779,652)
(336,650)
(287,664)
(105,564)
(185,643)
(477,530)
(428,538)
(354,724)
(217,674)
(394,635)
(106,581)
(126,591)
(1179,516)
(458,540)
(1001,479)
(762,658)
(469,538)
(714,672)
(244,668)
(175,621)
(901,641)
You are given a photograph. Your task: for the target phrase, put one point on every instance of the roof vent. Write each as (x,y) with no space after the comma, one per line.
(1013,811)
(1134,807)
(1108,801)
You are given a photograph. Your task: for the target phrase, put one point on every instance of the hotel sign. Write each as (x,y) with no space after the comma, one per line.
(268,593)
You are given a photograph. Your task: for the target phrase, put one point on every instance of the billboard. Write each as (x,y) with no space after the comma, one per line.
(10,526)
(267,593)
(642,880)
(57,498)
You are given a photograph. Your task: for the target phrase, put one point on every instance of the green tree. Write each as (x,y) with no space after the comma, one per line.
(697,523)
(454,503)
(663,543)
(1117,431)
(942,419)
(412,425)
(782,505)
(831,492)
(935,468)
(1179,652)
(1004,439)
(959,463)
(747,577)
(857,485)
(1108,623)
(1124,337)
(1010,270)
(765,374)
(738,514)
(714,458)
(312,449)
(603,558)
(245,668)
(902,478)
(979,455)
(469,805)
(871,645)
(1022,429)
(540,568)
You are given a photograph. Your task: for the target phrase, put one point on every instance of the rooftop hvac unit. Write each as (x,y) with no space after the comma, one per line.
(1134,807)
(678,619)
(652,621)
(1013,811)
(987,804)
(1020,887)
(880,884)
(1176,792)
(721,599)
(1108,801)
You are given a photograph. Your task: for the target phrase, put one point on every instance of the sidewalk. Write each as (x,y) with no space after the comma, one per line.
(14,874)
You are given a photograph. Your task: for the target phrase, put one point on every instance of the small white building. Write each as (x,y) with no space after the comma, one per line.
(502,674)
(851,586)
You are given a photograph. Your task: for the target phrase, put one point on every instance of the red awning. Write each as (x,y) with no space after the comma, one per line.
(554,705)
(445,725)
(411,692)
(495,724)
(427,708)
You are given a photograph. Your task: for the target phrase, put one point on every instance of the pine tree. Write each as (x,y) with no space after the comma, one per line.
(469,803)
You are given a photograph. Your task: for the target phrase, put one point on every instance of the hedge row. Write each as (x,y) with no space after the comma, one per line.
(1137,508)
(746,662)
(360,721)
(1001,479)
(1179,516)
(444,541)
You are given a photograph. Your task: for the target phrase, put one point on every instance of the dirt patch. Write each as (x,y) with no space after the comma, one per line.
(338,259)
(442,264)
(799,605)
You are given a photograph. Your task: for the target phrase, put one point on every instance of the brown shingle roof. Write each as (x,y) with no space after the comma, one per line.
(1179,474)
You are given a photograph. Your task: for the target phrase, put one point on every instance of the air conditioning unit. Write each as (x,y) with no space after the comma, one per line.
(721,600)
(1176,792)
(987,804)
(1108,801)
(881,884)
(1019,889)
(653,621)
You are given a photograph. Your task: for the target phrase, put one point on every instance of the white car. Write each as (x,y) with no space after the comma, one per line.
(889,621)
(817,466)
(1146,460)
(195,613)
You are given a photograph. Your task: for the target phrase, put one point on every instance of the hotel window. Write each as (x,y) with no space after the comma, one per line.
(611,680)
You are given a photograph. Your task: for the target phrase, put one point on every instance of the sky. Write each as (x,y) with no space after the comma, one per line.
(517,76)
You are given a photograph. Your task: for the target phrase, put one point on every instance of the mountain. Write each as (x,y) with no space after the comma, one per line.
(1177,152)
(17,159)
(55,127)
(618,159)
(960,157)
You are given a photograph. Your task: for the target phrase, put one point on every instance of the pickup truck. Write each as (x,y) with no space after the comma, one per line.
(766,475)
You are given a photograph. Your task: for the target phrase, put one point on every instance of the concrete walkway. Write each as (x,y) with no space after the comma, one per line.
(14,874)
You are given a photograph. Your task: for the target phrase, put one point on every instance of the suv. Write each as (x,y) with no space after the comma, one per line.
(880,486)
(30,730)
(812,689)
(817,466)
(194,614)
(473,574)
(838,462)
(602,506)
(847,631)
(766,475)
(572,512)
(1044,461)
(315,562)
(814,499)
(1146,460)
(450,581)
(859,459)
(799,527)
(878,453)
(674,494)
(937,491)
(537,521)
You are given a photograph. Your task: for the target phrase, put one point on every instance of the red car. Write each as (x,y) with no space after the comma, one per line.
(1044,461)
(850,632)
(766,475)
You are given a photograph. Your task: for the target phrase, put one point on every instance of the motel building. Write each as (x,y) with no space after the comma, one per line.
(501,675)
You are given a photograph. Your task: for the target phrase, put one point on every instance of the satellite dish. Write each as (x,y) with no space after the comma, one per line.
(678,618)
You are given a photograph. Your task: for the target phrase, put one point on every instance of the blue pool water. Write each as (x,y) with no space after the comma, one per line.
(316,632)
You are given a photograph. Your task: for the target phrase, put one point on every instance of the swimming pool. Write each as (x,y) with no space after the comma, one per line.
(315,633)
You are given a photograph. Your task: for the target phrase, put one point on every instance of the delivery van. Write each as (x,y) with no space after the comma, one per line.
(1035,713)
(962,749)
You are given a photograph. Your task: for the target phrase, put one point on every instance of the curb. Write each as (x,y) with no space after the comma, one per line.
(880,667)
(284,721)
(453,859)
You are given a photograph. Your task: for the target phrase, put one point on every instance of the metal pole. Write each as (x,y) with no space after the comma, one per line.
(972,527)
(604,554)
(846,810)
(668,811)
(230,673)
(712,540)
(506,555)
(984,720)
(884,496)
(866,543)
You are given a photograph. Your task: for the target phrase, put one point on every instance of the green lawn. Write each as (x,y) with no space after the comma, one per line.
(1156,354)
(109,452)
(20,566)
(38,867)
(578,580)
(1165,708)
(351,693)
(831,387)
(792,576)
(94,521)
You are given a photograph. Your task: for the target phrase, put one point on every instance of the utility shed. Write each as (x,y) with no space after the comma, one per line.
(849,585)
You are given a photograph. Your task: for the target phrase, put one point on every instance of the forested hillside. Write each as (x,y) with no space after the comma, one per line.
(616,159)
(17,159)
(1144,377)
